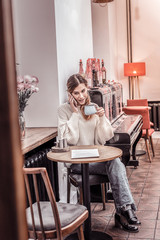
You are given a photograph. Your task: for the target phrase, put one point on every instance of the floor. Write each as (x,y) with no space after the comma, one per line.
(145,186)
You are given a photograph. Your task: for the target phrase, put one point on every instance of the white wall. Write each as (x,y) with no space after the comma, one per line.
(50,38)
(74,41)
(113,40)
(146,44)
(146,47)
(74,38)
(122,45)
(36,53)
(100,34)
(105,36)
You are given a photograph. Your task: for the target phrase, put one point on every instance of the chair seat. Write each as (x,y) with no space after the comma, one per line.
(140,106)
(152,124)
(67,213)
(150,132)
(76,179)
(93,169)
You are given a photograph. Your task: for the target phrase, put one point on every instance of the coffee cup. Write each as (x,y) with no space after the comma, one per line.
(90,109)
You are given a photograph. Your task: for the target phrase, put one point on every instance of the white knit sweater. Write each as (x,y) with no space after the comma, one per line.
(78,131)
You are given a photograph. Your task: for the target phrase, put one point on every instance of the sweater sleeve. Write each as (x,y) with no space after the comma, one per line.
(103,131)
(68,126)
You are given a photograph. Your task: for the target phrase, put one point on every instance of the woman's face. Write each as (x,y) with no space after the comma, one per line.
(80,93)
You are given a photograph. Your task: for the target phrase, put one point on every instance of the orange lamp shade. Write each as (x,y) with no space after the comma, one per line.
(134,69)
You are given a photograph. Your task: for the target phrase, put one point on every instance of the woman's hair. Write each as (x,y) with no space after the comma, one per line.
(72,83)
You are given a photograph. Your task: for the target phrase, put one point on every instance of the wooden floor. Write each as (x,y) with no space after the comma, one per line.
(145,186)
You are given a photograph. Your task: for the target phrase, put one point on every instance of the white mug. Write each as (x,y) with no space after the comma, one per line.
(90,109)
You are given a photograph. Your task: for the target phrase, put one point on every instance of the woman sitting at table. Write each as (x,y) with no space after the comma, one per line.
(95,129)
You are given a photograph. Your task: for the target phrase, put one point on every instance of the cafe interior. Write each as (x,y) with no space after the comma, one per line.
(114,45)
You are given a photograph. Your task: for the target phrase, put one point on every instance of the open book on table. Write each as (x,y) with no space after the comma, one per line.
(84,153)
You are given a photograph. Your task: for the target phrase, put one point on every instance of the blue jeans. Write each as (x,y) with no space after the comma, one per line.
(116,172)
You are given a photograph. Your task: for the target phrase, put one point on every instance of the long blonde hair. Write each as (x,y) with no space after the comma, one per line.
(72,83)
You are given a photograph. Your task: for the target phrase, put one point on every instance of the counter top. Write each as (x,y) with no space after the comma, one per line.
(37,136)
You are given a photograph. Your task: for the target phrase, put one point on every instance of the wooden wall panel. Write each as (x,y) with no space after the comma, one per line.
(12,197)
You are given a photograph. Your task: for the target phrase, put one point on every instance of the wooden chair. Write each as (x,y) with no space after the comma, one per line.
(75,178)
(147,131)
(138,102)
(50,219)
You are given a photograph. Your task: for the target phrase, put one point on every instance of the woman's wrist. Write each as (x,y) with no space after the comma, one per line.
(75,111)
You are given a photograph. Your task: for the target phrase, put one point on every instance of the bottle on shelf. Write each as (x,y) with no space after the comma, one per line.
(99,73)
(103,70)
(81,71)
(94,73)
(88,73)
(100,77)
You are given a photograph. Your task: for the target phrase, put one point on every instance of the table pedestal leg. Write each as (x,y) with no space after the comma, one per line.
(94,235)
(88,234)
(86,198)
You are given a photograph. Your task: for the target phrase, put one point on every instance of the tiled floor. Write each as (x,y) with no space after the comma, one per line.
(145,186)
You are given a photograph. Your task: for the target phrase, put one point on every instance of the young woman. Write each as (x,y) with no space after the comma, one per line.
(95,129)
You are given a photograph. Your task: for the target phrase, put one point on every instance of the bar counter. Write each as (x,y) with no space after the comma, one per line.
(35,137)
(37,142)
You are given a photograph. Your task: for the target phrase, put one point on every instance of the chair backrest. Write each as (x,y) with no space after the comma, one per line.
(137,102)
(34,172)
(144,112)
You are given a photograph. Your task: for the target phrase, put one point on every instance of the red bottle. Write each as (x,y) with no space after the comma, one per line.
(103,70)
(81,71)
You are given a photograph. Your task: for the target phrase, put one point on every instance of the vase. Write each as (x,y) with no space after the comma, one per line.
(22,124)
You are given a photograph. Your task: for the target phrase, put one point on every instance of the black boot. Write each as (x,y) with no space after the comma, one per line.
(121,222)
(130,216)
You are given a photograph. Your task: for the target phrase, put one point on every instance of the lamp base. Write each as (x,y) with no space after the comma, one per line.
(94,236)
(140,152)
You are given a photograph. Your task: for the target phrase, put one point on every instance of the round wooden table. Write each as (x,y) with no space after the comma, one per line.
(137,107)
(106,153)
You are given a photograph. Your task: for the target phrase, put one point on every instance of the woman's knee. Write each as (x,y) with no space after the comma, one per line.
(116,165)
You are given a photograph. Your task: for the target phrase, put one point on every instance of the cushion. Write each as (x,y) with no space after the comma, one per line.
(76,179)
(94,168)
(67,213)
(150,131)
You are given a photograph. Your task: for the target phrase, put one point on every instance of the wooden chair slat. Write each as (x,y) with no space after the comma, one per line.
(38,204)
(58,232)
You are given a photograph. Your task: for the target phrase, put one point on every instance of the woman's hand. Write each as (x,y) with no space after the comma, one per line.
(73,103)
(100,111)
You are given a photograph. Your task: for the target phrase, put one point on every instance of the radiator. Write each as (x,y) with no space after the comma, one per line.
(38,158)
(155,114)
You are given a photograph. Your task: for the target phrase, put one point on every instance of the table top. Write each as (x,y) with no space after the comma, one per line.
(137,107)
(106,153)
(37,136)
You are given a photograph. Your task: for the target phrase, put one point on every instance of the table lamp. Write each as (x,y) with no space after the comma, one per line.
(134,70)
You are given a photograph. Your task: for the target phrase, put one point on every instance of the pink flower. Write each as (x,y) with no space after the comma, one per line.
(34,89)
(20,86)
(37,89)
(20,79)
(28,79)
(26,86)
(35,79)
